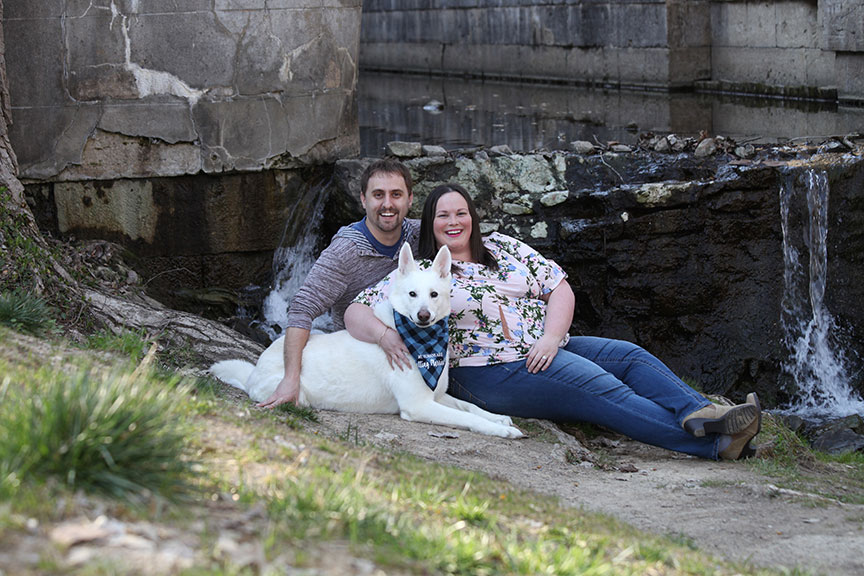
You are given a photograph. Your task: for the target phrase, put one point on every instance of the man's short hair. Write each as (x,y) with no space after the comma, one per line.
(386,166)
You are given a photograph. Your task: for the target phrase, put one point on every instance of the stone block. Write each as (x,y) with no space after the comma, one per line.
(96,69)
(740,24)
(798,25)
(28,42)
(165,121)
(688,23)
(397,56)
(32,9)
(123,209)
(61,133)
(766,66)
(208,49)
(643,66)
(108,156)
(849,72)
(639,25)
(842,25)
(163,6)
(687,65)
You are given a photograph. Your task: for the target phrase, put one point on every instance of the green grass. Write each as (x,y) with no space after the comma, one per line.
(791,463)
(130,343)
(118,433)
(26,313)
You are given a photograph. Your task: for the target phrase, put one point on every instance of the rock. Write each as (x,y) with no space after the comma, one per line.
(662,145)
(404,149)
(622,148)
(539,230)
(706,147)
(516,209)
(429,150)
(837,441)
(582,147)
(746,151)
(500,150)
(554,198)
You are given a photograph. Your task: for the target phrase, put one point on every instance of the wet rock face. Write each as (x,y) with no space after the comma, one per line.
(681,255)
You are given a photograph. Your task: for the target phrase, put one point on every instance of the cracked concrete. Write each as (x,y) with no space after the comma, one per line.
(105,89)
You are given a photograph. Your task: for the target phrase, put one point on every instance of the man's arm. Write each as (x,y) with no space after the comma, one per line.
(289,387)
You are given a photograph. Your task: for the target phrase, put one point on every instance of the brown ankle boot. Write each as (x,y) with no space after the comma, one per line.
(740,446)
(715,419)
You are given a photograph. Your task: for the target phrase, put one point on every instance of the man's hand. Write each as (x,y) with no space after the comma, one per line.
(287,391)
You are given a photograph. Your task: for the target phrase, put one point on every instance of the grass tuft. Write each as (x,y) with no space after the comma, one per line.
(133,344)
(115,433)
(25,312)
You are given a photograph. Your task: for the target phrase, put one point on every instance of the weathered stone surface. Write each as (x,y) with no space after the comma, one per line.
(214,87)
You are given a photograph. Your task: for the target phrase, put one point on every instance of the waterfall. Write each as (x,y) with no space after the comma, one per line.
(294,257)
(817,363)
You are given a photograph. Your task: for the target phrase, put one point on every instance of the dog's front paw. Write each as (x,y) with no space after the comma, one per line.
(503,420)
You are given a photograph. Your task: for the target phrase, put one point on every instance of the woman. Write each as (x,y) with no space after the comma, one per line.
(511,353)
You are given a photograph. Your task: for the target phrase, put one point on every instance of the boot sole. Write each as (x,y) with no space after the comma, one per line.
(734,421)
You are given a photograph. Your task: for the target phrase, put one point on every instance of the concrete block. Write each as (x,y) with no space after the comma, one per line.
(406,57)
(209,50)
(29,42)
(797,25)
(165,121)
(60,133)
(131,7)
(728,22)
(27,9)
(761,28)
(96,69)
(124,209)
(849,70)
(820,67)
(108,156)
(643,66)
(639,25)
(842,25)
(767,66)
(687,65)
(688,23)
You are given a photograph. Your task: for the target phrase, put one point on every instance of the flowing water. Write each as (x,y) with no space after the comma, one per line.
(817,362)
(294,258)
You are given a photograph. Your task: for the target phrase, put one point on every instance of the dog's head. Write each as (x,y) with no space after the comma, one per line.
(422,295)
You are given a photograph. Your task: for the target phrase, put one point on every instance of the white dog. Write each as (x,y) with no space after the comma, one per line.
(345,374)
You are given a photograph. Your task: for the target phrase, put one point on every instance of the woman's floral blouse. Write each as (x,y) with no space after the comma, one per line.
(497,315)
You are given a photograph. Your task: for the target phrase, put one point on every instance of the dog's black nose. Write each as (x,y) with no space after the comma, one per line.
(423,316)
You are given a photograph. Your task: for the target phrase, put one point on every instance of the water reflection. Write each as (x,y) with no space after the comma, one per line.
(527,117)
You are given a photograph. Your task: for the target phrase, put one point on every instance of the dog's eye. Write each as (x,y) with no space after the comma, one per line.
(434,294)
(412,294)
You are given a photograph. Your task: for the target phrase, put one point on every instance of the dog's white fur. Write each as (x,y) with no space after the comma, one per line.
(344,374)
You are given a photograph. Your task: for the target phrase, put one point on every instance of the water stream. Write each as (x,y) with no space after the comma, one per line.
(817,362)
(294,258)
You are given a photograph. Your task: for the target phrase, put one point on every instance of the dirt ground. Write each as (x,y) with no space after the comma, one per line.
(724,508)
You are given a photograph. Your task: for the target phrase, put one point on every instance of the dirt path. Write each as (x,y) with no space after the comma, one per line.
(721,507)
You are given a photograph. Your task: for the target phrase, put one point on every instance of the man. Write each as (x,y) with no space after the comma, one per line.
(358,256)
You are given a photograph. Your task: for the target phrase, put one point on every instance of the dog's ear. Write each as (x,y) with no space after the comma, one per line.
(443,261)
(406,260)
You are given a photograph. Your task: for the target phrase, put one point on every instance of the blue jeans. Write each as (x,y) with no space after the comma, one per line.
(611,383)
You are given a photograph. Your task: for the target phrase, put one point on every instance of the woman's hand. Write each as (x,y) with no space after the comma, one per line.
(542,353)
(394,347)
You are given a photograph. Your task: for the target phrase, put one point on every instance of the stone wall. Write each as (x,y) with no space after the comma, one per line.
(108,89)
(795,48)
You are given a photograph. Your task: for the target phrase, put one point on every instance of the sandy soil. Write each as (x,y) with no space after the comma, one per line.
(724,508)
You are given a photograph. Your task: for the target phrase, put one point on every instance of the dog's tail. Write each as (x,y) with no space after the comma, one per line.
(233,372)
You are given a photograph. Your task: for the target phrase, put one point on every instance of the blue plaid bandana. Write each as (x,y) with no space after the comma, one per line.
(427,345)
